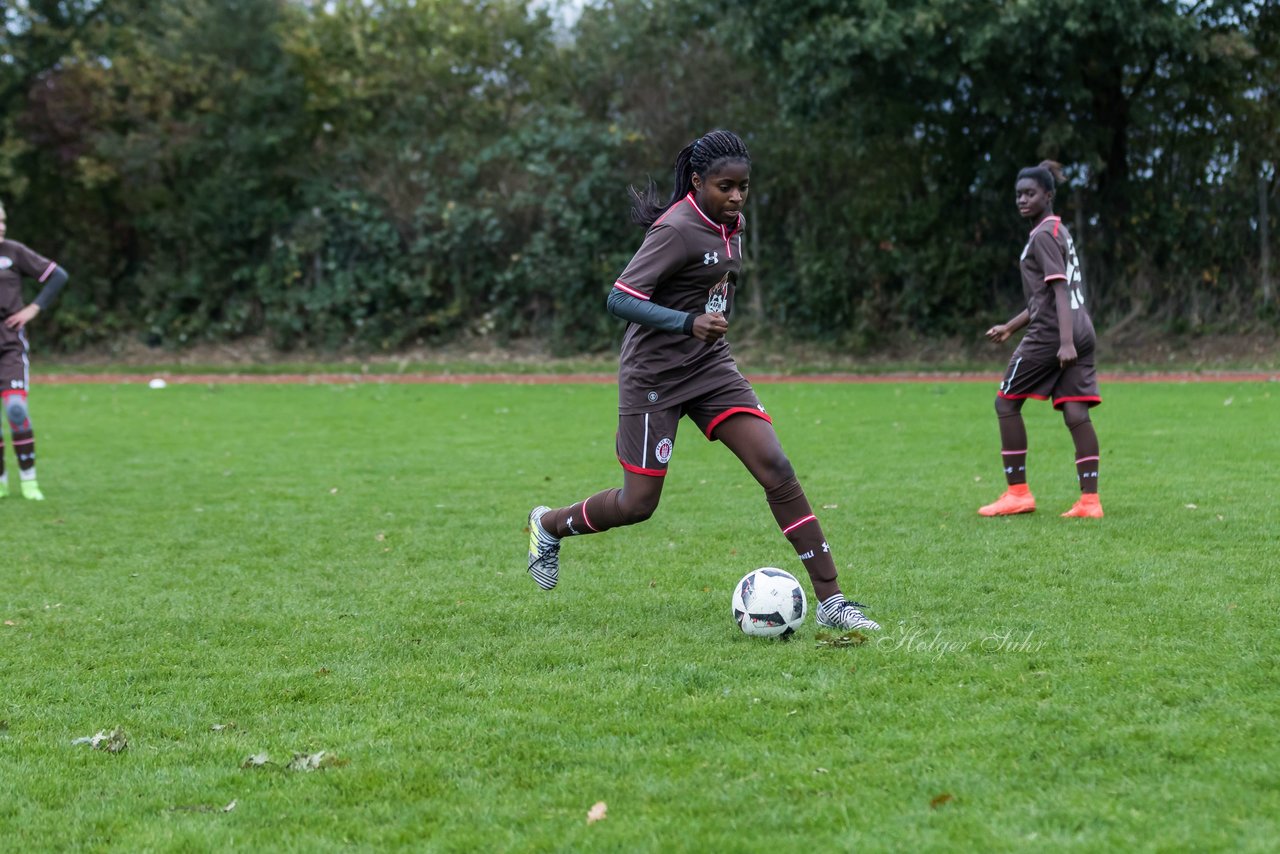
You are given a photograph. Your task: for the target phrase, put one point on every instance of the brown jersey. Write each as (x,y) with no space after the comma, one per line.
(691,264)
(1048,258)
(17,261)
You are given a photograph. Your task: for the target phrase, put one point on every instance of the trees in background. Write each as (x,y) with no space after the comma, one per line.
(380,173)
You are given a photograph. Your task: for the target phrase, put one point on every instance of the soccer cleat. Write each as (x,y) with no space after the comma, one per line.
(544,551)
(31,491)
(839,613)
(1010,504)
(1089,506)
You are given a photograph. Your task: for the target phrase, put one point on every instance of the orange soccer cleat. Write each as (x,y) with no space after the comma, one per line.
(1016,499)
(1088,507)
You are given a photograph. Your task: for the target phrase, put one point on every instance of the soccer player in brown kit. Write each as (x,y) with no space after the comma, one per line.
(17,261)
(677,294)
(1054,360)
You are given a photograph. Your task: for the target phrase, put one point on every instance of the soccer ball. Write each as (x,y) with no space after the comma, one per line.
(769,603)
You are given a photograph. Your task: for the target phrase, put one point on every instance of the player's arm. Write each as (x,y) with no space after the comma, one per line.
(54,279)
(1066,323)
(704,327)
(1001,331)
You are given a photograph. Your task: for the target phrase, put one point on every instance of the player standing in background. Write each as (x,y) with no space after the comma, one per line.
(1054,360)
(677,294)
(17,261)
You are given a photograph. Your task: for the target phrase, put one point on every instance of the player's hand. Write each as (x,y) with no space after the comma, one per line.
(1067,355)
(710,327)
(999,333)
(20,318)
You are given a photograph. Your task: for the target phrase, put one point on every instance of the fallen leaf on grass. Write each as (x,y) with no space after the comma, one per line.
(203,808)
(597,812)
(314,761)
(115,742)
(939,800)
(849,638)
(10,623)
(223,727)
(257,760)
(1191,507)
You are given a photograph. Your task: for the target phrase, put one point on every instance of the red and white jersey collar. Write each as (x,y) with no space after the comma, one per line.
(723,230)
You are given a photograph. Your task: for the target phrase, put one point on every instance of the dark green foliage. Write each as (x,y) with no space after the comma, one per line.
(357,175)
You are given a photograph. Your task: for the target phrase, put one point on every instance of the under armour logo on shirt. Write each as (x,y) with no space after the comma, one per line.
(709,258)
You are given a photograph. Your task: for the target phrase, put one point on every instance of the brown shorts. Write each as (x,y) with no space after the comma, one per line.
(14,368)
(646,440)
(1050,381)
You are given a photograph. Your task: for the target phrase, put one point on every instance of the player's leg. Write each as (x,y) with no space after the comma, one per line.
(1076,416)
(14,403)
(645,444)
(1017,497)
(753,440)
(1023,379)
(1075,393)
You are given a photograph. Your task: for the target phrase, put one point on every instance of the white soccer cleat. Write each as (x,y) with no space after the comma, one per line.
(544,551)
(839,613)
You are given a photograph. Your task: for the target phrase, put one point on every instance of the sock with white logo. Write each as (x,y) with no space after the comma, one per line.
(795,517)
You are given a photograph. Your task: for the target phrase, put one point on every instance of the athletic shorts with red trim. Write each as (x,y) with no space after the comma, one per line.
(647,440)
(1050,381)
(14,364)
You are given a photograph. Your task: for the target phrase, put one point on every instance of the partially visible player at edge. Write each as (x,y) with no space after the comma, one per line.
(1054,360)
(17,261)
(677,294)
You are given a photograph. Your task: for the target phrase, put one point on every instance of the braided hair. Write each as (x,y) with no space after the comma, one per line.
(1048,174)
(701,157)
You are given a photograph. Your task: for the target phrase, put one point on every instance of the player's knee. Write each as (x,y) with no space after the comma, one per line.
(1074,415)
(15,409)
(776,473)
(636,511)
(1006,407)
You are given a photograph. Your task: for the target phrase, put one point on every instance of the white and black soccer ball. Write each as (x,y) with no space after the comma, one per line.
(769,603)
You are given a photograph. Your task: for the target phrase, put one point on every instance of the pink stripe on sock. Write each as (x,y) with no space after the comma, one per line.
(1085,460)
(18,442)
(798,523)
(585,520)
(1006,453)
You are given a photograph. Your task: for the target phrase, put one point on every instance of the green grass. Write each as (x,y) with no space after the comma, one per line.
(340,568)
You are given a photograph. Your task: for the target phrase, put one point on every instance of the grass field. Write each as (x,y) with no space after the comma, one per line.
(229,571)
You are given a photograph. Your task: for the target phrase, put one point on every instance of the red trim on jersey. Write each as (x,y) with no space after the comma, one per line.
(53,265)
(639,470)
(1021,396)
(627,289)
(1092,398)
(1055,276)
(798,523)
(5,395)
(1051,218)
(715,422)
(726,234)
